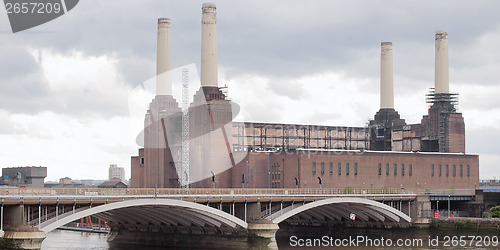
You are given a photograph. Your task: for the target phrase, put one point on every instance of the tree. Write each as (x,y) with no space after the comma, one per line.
(495,212)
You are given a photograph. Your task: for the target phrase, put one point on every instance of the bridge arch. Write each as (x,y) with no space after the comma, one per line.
(143,211)
(366,211)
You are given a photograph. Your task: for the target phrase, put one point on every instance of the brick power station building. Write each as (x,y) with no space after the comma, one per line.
(202,148)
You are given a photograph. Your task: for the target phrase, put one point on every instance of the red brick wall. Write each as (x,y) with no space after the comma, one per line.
(456,133)
(300,165)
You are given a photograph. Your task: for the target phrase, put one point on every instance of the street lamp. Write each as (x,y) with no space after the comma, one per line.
(247,176)
(449,213)
(213,178)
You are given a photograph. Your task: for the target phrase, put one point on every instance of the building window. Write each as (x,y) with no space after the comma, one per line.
(468,171)
(410,171)
(461,170)
(355,169)
(439,170)
(402,169)
(447,171)
(347,169)
(380,169)
(314,168)
(387,169)
(141,161)
(340,168)
(395,169)
(331,168)
(322,168)
(432,170)
(454,170)
(380,132)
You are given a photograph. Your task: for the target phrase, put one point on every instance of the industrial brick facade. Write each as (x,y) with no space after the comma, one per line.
(388,153)
(357,170)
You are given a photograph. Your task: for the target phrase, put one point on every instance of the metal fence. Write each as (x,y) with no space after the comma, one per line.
(441,213)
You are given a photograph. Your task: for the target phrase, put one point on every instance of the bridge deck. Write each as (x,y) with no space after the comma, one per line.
(101,195)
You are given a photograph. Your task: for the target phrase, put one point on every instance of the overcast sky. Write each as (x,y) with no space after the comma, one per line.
(66,86)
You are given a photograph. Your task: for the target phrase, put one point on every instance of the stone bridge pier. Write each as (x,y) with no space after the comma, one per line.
(15,233)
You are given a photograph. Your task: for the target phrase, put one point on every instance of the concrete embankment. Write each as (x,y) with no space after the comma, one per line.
(458,223)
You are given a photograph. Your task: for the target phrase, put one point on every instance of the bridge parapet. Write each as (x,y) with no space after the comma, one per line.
(209,191)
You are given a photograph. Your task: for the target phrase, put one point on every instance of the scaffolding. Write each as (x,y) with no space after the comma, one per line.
(285,137)
(445,104)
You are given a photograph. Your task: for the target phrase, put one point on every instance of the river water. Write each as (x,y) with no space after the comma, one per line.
(63,239)
(353,238)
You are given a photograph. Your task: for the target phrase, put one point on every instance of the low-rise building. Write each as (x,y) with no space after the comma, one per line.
(113,184)
(24,176)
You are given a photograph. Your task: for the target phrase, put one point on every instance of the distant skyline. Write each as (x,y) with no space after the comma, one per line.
(66,86)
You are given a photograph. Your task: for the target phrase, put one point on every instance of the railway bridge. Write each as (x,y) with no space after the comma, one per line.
(240,213)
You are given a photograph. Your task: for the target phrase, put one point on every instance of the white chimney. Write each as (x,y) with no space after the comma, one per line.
(386,77)
(441,80)
(164,58)
(208,45)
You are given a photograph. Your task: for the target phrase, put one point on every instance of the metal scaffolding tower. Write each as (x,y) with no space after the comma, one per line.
(446,104)
(185,129)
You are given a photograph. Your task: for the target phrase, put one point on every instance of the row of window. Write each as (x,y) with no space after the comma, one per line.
(215,97)
(454,171)
(387,170)
(339,168)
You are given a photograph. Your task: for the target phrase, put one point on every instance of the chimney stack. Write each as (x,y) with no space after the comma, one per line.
(164,58)
(441,80)
(208,46)
(386,77)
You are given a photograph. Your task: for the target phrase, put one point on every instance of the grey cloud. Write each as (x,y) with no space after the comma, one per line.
(24,89)
(22,85)
(287,87)
(286,42)
(482,141)
(7,126)
(281,40)
(135,69)
(263,110)
(15,61)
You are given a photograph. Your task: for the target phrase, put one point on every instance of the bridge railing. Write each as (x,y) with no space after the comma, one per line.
(221,191)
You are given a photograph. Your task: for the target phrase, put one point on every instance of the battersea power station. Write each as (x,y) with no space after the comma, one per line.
(197,145)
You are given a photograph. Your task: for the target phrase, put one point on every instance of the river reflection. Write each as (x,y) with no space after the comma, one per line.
(294,238)
(410,238)
(63,239)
